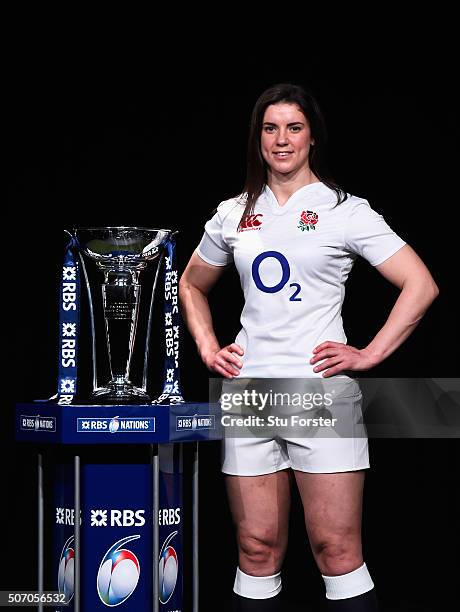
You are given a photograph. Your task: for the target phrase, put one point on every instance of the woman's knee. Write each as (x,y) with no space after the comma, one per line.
(262,547)
(335,558)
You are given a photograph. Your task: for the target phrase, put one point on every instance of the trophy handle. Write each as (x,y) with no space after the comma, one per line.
(91,318)
(149,324)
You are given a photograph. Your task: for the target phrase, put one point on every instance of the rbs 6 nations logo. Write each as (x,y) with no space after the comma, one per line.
(118,573)
(168,569)
(66,570)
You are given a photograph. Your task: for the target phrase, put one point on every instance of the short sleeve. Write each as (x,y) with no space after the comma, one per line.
(213,248)
(367,234)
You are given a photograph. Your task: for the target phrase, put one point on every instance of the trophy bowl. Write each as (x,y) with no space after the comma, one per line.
(121,246)
(121,253)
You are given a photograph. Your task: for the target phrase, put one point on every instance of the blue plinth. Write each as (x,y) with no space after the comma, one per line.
(127,548)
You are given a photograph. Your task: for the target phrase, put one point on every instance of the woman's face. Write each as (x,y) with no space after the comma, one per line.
(286,138)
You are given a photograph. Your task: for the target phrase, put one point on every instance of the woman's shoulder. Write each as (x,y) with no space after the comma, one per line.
(355,200)
(351,203)
(232,205)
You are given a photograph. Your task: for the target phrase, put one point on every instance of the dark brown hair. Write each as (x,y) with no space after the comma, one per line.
(256,173)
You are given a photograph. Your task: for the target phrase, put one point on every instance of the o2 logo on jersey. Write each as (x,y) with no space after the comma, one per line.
(66,570)
(285,275)
(250,222)
(168,569)
(118,573)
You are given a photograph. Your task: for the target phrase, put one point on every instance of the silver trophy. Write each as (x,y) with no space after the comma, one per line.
(121,253)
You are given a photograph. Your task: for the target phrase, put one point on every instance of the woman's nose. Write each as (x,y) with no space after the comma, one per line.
(282,137)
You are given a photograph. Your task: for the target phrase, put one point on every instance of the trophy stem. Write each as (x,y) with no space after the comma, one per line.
(121,297)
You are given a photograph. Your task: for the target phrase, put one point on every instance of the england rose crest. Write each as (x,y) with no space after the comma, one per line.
(308,220)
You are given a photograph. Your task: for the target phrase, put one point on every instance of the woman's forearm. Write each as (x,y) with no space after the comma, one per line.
(197,315)
(409,308)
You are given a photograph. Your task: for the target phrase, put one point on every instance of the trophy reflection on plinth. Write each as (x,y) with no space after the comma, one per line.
(121,254)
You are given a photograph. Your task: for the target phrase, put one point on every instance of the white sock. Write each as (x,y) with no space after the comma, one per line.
(257,587)
(348,585)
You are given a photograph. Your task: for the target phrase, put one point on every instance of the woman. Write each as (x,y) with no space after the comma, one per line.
(293,235)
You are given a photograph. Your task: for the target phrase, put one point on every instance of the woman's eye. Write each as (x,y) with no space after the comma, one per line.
(269,129)
(295,128)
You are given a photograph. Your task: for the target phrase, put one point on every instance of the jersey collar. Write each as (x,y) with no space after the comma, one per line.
(302,192)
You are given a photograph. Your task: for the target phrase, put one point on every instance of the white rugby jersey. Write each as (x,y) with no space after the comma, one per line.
(293,262)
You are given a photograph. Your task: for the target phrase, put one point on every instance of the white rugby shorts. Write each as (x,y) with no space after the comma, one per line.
(253,450)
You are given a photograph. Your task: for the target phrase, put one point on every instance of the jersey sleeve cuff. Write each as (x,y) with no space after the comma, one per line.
(210,261)
(394,250)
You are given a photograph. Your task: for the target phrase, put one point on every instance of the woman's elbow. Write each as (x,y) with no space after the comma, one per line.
(184,288)
(425,285)
(433,289)
(429,293)
(187,289)
(424,290)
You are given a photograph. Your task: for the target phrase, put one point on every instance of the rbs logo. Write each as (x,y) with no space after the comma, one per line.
(132,518)
(169,516)
(250,222)
(117,518)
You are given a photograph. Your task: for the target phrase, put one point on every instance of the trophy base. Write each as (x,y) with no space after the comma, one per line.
(121,394)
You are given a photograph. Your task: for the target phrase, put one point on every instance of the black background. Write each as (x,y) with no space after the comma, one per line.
(124,133)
